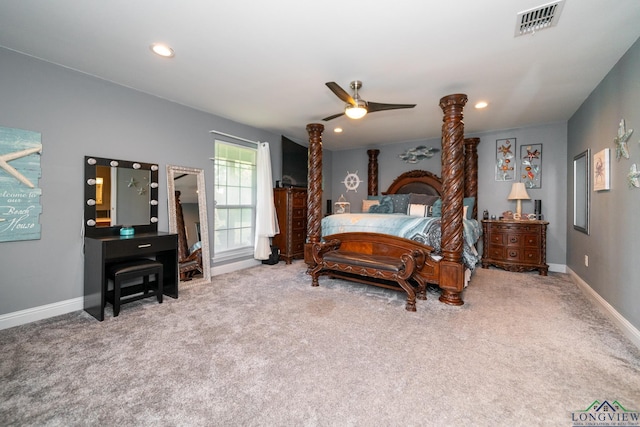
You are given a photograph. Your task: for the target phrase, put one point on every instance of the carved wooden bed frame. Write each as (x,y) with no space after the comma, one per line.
(459,180)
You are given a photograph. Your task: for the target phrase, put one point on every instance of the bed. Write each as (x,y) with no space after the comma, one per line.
(459,181)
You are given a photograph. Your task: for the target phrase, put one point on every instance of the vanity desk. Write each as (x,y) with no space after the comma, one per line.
(121,192)
(100,251)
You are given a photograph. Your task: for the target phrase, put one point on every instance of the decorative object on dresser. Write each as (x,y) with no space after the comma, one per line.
(291,209)
(515,245)
(518,193)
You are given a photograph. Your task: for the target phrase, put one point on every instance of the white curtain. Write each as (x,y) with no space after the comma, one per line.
(266,219)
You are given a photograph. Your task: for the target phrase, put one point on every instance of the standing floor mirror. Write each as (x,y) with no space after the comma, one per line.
(188,219)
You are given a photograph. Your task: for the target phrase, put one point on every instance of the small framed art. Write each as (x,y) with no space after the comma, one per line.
(601,170)
(531,165)
(505,166)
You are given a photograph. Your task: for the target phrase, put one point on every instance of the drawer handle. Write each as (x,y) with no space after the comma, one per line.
(513,254)
(514,239)
(145,245)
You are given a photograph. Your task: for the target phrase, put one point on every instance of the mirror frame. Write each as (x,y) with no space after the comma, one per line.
(90,171)
(172,171)
(581,177)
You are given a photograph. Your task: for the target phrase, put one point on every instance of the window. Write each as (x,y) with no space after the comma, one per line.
(235,199)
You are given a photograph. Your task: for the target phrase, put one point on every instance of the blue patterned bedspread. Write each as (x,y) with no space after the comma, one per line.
(424,230)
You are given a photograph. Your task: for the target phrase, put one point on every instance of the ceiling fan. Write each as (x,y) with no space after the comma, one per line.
(357,107)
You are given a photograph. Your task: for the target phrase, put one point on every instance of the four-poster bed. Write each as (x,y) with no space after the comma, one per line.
(459,180)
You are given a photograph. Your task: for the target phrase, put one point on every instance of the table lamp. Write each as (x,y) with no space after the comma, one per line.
(518,193)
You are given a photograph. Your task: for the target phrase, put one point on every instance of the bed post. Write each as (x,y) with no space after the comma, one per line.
(451,267)
(471,171)
(372,188)
(314,190)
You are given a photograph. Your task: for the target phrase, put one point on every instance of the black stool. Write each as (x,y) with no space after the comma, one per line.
(132,269)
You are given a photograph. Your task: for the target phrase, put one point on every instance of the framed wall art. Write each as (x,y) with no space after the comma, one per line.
(20,173)
(505,165)
(601,170)
(531,165)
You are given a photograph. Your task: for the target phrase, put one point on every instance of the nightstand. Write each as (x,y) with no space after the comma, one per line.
(515,245)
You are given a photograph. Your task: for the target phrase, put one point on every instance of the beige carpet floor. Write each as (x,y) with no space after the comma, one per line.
(261,347)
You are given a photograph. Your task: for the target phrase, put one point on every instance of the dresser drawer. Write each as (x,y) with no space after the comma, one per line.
(495,252)
(139,246)
(298,213)
(532,256)
(531,240)
(513,254)
(299,224)
(298,236)
(498,239)
(516,228)
(299,200)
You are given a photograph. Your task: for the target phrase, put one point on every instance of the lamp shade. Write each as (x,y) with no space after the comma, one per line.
(518,192)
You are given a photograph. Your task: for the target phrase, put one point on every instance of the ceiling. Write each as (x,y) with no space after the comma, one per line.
(264,64)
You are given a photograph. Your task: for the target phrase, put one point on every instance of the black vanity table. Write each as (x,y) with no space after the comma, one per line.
(100,251)
(138,206)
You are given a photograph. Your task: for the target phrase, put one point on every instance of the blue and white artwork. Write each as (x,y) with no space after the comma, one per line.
(20,172)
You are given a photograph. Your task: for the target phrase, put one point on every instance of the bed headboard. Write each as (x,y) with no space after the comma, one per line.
(416,181)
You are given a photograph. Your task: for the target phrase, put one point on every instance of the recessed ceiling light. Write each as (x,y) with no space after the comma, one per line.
(481,104)
(162,50)
(338,130)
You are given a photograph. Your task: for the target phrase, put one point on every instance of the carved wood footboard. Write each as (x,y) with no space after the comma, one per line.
(376,259)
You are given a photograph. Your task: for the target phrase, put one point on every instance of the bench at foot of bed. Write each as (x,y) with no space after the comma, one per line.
(375,259)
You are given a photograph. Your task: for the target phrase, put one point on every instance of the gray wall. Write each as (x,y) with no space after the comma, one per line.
(492,195)
(80,115)
(613,245)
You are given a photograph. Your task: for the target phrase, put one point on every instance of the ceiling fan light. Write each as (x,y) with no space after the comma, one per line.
(357,111)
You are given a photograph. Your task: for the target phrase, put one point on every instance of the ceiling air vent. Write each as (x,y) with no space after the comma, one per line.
(539,18)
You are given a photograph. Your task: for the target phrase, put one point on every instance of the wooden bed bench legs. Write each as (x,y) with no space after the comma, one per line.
(369,268)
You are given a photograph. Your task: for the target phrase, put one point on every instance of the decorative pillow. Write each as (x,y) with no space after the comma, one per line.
(417,210)
(374,197)
(385,206)
(468,202)
(366,204)
(400,202)
(422,199)
(437,208)
(466,209)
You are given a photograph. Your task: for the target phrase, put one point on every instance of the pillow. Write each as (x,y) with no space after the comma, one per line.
(422,199)
(437,208)
(417,210)
(466,209)
(385,206)
(468,202)
(400,202)
(366,204)
(374,197)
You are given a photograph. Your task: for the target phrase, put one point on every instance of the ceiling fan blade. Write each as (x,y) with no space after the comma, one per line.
(326,119)
(340,93)
(372,107)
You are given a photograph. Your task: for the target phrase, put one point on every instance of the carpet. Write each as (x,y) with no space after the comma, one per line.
(262,347)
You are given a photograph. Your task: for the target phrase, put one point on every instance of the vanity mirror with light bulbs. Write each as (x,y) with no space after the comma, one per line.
(188,219)
(122,194)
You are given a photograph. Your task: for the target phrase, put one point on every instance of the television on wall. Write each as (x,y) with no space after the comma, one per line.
(294,163)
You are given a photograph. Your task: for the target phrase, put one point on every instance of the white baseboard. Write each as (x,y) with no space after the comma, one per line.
(558,268)
(29,315)
(625,326)
(234,266)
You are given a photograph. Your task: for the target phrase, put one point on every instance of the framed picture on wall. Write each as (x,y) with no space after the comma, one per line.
(505,164)
(601,170)
(531,165)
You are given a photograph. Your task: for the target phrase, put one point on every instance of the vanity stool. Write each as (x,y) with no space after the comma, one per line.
(131,269)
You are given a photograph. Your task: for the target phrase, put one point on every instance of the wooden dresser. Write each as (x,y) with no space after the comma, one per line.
(291,208)
(515,245)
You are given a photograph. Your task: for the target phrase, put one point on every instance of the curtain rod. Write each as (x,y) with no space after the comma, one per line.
(233,136)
